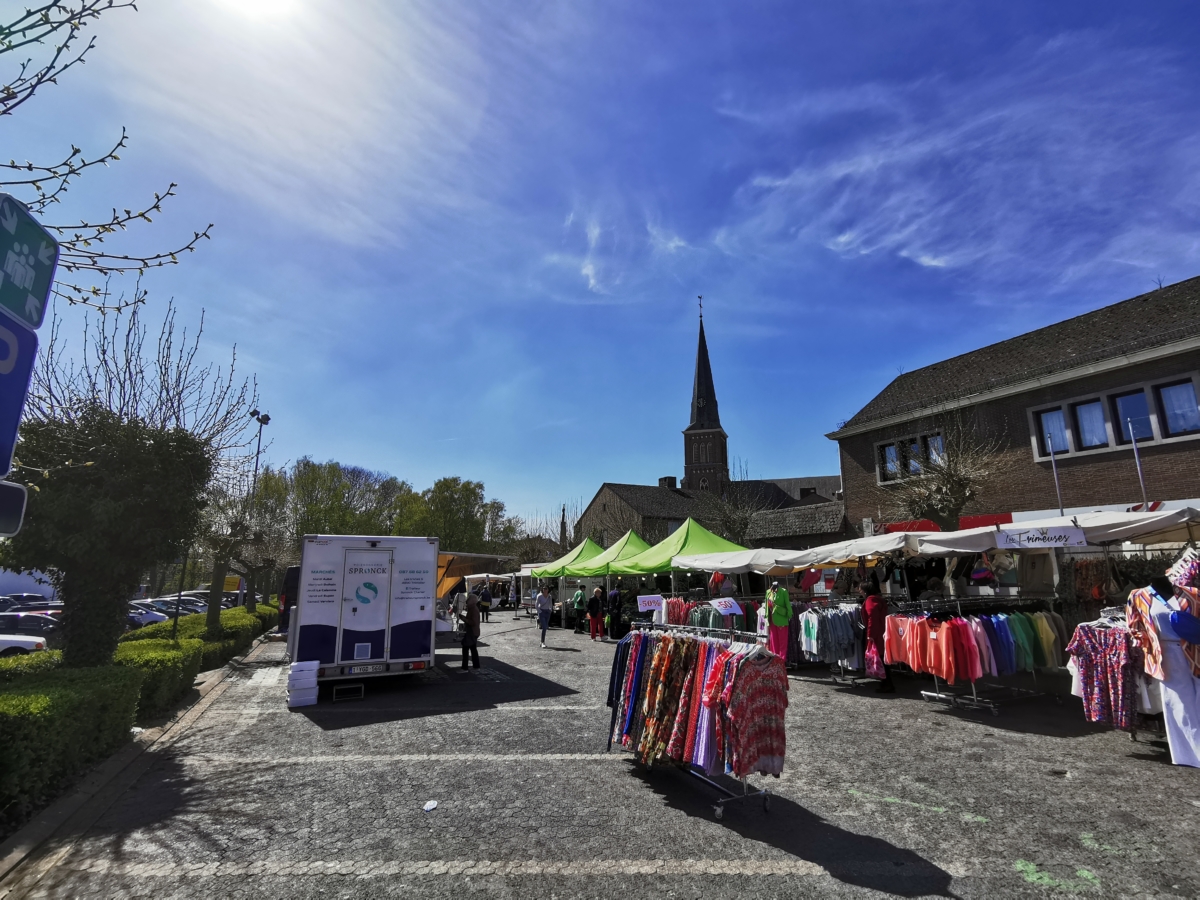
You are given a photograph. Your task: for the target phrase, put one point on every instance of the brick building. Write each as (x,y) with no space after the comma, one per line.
(1082,391)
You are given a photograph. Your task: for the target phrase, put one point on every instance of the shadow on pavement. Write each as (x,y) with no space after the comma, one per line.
(445,690)
(1042,714)
(855,859)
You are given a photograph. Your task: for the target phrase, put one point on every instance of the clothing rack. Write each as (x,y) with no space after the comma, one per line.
(701,631)
(730,635)
(992,696)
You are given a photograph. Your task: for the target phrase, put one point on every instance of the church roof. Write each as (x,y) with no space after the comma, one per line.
(704,394)
(654,501)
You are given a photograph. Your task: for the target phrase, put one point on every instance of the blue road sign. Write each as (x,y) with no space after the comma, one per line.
(18,351)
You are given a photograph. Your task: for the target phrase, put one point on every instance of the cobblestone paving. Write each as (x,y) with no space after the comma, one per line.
(883,796)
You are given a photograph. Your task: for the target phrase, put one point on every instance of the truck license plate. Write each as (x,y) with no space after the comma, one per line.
(364,670)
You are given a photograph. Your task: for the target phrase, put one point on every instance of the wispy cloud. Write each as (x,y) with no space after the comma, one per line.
(344,123)
(1064,160)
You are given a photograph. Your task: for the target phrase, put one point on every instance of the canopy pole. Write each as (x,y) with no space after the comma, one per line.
(1137,458)
(1054,467)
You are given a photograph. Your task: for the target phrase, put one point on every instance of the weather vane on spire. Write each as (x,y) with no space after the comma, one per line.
(700,297)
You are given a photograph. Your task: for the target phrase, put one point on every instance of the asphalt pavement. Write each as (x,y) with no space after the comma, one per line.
(882,795)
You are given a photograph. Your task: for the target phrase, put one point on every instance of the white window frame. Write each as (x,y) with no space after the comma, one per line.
(1112,429)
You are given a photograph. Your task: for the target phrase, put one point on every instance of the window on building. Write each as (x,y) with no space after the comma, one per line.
(1178,409)
(1089,425)
(914,456)
(889,462)
(1132,412)
(695,453)
(935,448)
(1052,431)
(908,457)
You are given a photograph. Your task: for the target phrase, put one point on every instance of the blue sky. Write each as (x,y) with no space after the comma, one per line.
(466,238)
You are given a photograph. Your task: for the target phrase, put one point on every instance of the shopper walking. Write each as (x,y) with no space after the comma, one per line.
(779,614)
(485,602)
(579,601)
(470,621)
(614,613)
(875,618)
(595,616)
(544,606)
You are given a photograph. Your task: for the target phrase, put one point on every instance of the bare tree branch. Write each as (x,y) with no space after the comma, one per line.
(43,185)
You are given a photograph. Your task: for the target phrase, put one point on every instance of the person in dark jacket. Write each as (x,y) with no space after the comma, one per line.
(595,617)
(614,613)
(470,641)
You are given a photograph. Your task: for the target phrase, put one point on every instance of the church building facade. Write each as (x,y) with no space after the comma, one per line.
(787,512)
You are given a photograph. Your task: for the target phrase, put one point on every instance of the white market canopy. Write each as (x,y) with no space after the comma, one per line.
(849,552)
(1168,526)
(734,562)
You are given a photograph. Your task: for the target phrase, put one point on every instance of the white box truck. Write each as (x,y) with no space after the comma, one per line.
(365,605)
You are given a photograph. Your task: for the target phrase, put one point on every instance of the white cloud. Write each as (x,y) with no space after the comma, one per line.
(1067,158)
(345,122)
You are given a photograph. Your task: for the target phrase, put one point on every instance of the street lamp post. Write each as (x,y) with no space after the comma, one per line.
(262,419)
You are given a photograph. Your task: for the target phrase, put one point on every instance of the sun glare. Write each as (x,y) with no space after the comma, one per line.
(261,9)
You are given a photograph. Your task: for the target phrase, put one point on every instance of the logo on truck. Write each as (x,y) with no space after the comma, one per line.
(358,592)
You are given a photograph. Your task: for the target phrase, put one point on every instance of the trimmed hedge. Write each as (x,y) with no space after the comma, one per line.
(238,629)
(169,667)
(53,725)
(267,615)
(14,667)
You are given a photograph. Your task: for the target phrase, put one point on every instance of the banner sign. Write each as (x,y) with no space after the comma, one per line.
(726,606)
(649,602)
(1013,538)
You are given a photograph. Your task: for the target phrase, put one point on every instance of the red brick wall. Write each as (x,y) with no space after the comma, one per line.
(1172,471)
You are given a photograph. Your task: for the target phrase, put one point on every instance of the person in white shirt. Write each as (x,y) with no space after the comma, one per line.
(544,605)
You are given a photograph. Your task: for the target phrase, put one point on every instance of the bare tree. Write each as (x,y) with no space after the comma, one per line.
(731,513)
(942,483)
(167,387)
(50,38)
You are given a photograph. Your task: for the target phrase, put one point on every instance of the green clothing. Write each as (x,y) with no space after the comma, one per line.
(580,599)
(780,605)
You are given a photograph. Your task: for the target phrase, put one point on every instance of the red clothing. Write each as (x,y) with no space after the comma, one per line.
(874,610)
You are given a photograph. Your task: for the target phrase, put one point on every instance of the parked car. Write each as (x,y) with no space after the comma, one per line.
(140,618)
(33,625)
(45,607)
(287,596)
(187,606)
(20,644)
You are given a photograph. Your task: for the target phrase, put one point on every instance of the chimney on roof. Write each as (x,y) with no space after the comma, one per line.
(667,481)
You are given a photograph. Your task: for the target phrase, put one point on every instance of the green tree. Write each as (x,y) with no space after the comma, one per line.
(455,512)
(109,497)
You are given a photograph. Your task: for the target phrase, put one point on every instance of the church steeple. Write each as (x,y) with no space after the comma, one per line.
(704,395)
(705,456)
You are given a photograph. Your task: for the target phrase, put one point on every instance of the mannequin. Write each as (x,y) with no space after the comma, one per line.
(779,614)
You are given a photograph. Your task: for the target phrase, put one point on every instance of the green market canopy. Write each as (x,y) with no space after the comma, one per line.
(582,553)
(630,545)
(690,539)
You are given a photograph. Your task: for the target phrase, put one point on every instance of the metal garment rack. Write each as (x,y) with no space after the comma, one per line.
(993,695)
(730,635)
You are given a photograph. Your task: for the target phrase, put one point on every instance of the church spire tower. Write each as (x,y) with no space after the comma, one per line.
(705,456)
